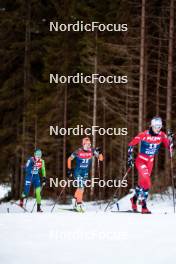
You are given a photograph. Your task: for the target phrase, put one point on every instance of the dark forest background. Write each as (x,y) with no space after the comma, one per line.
(29,104)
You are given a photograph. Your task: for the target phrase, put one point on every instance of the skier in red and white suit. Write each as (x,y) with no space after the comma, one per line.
(150,141)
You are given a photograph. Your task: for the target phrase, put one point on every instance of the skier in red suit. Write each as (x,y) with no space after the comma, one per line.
(150,141)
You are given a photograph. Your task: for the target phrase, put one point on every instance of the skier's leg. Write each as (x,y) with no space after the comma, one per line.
(80,178)
(38,195)
(144,170)
(134,201)
(27,185)
(143,181)
(146,190)
(135,198)
(79,195)
(137,189)
(82,186)
(145,210)
(38,198)
(144,175)
(79,190)
(145,193)
(37,185)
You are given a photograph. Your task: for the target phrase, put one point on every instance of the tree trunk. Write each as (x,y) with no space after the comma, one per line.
(36,131)
(94,112)
(170,66)
(158,95)
(142,69)
(104,145)
(26,85)
(169,80)
(65,136)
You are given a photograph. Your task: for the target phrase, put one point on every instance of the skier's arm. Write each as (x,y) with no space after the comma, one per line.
(168,141)
(165,141)
(69,161)
(98,153)
(29,166)
(130,157)
(136,140)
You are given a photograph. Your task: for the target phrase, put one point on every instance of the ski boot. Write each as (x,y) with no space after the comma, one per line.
(145,210)
(134,203)
(21,204)
(79,208)
(39,210)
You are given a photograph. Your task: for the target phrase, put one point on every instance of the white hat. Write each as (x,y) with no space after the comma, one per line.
(156,122)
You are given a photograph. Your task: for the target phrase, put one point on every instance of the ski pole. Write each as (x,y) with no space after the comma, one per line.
(171,139)
(172,177)
(115,192)
(173,185)
(36,200)
(99,179)
(52,209)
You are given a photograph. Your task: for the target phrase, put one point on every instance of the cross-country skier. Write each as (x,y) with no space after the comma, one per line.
(83,157)
(150,141)
(33,167)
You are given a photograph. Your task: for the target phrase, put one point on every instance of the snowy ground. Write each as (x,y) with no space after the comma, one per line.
(4,189)
(65,237)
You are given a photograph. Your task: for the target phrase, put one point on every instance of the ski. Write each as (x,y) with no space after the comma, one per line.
(72,210)
(137,212)
(126,211)
(23,208)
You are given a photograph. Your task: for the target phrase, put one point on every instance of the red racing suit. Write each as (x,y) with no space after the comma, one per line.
(149,147)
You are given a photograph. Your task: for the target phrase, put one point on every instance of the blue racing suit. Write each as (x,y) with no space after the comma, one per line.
(32,177)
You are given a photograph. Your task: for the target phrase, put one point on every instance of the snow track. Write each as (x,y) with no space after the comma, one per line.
(94,237)
(87,238)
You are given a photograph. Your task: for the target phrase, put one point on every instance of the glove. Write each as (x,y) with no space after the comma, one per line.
(170,136)
(99,150)
(43,181)
(69,173)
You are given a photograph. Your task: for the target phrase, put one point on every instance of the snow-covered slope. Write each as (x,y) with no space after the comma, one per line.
(65,237)
(4,189)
